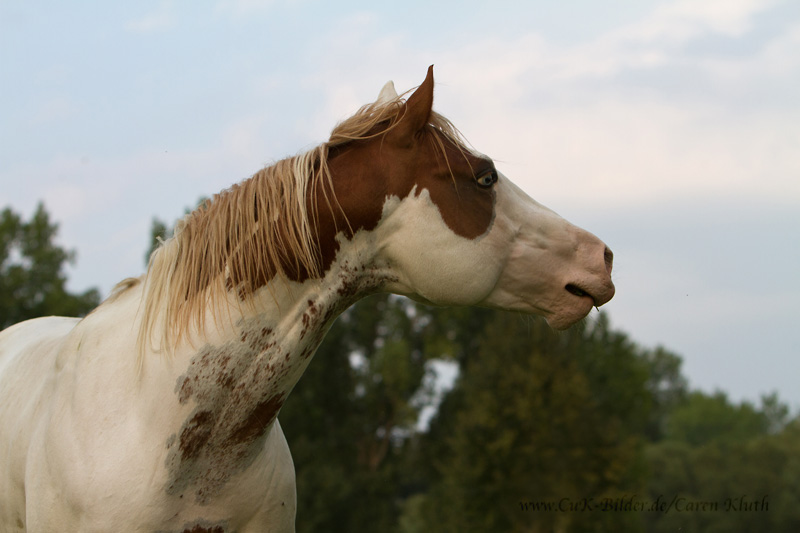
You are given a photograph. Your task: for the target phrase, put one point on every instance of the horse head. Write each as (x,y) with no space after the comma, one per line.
(452,228)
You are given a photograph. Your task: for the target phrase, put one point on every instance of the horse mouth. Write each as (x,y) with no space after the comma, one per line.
(577,291)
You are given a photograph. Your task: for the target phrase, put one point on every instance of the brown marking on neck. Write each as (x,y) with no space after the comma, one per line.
(201,526)
(202,529)
(256,423)
(234,389)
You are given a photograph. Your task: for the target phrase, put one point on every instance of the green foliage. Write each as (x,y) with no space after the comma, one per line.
(32,281)
(667,386)
(740,460)
(747,485)
(703,419)
(534,416)
(539,416)
(349,418)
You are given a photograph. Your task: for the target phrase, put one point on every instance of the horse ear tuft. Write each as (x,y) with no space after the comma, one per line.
(416,112)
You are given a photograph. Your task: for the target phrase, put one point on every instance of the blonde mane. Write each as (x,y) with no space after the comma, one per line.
(248,234)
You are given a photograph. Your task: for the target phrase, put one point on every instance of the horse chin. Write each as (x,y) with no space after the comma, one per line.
(558,322)
(568,317)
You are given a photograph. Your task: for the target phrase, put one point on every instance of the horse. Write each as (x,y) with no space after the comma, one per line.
(158,411)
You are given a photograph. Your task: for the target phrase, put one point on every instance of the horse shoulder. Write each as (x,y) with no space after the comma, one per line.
(28,353)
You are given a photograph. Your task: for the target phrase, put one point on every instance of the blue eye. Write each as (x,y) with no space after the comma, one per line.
(487,179)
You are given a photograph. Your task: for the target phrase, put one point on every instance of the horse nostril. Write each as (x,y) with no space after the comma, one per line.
(608,255)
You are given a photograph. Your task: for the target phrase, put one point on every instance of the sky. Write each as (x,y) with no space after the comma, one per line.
(670,129)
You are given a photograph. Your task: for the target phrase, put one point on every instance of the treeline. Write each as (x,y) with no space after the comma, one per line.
(575,431)
(32,277)
(578,431)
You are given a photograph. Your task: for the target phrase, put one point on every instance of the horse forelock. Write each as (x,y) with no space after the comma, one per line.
(256,230)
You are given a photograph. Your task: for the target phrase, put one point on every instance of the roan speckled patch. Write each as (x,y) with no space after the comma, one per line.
(230,385)
(201,526)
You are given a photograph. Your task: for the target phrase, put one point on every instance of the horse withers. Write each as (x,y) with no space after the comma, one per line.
(158,411)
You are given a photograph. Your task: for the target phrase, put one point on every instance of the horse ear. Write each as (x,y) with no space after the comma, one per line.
(387,94)
(416,113)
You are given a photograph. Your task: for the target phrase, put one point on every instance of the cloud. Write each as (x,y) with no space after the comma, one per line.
(637,114)
(104,204)
(55,109)
(161,19)
(633,116)
(243,8)
(686,19)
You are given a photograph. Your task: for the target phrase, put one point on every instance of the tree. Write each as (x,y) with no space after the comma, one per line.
(350,419)
(740,460)
(537,416)
(668,389)
(704,418)
(32,281)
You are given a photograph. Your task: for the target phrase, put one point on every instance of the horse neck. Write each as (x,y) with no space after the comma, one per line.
(249,356)
(232,380)
(270,338)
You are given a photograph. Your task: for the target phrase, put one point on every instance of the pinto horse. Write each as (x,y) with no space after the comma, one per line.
(158,411)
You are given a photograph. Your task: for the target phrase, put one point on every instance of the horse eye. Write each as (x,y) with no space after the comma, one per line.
(487,180)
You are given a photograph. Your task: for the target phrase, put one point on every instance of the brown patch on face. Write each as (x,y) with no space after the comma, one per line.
(466,207)
(366,173)
(412,153)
